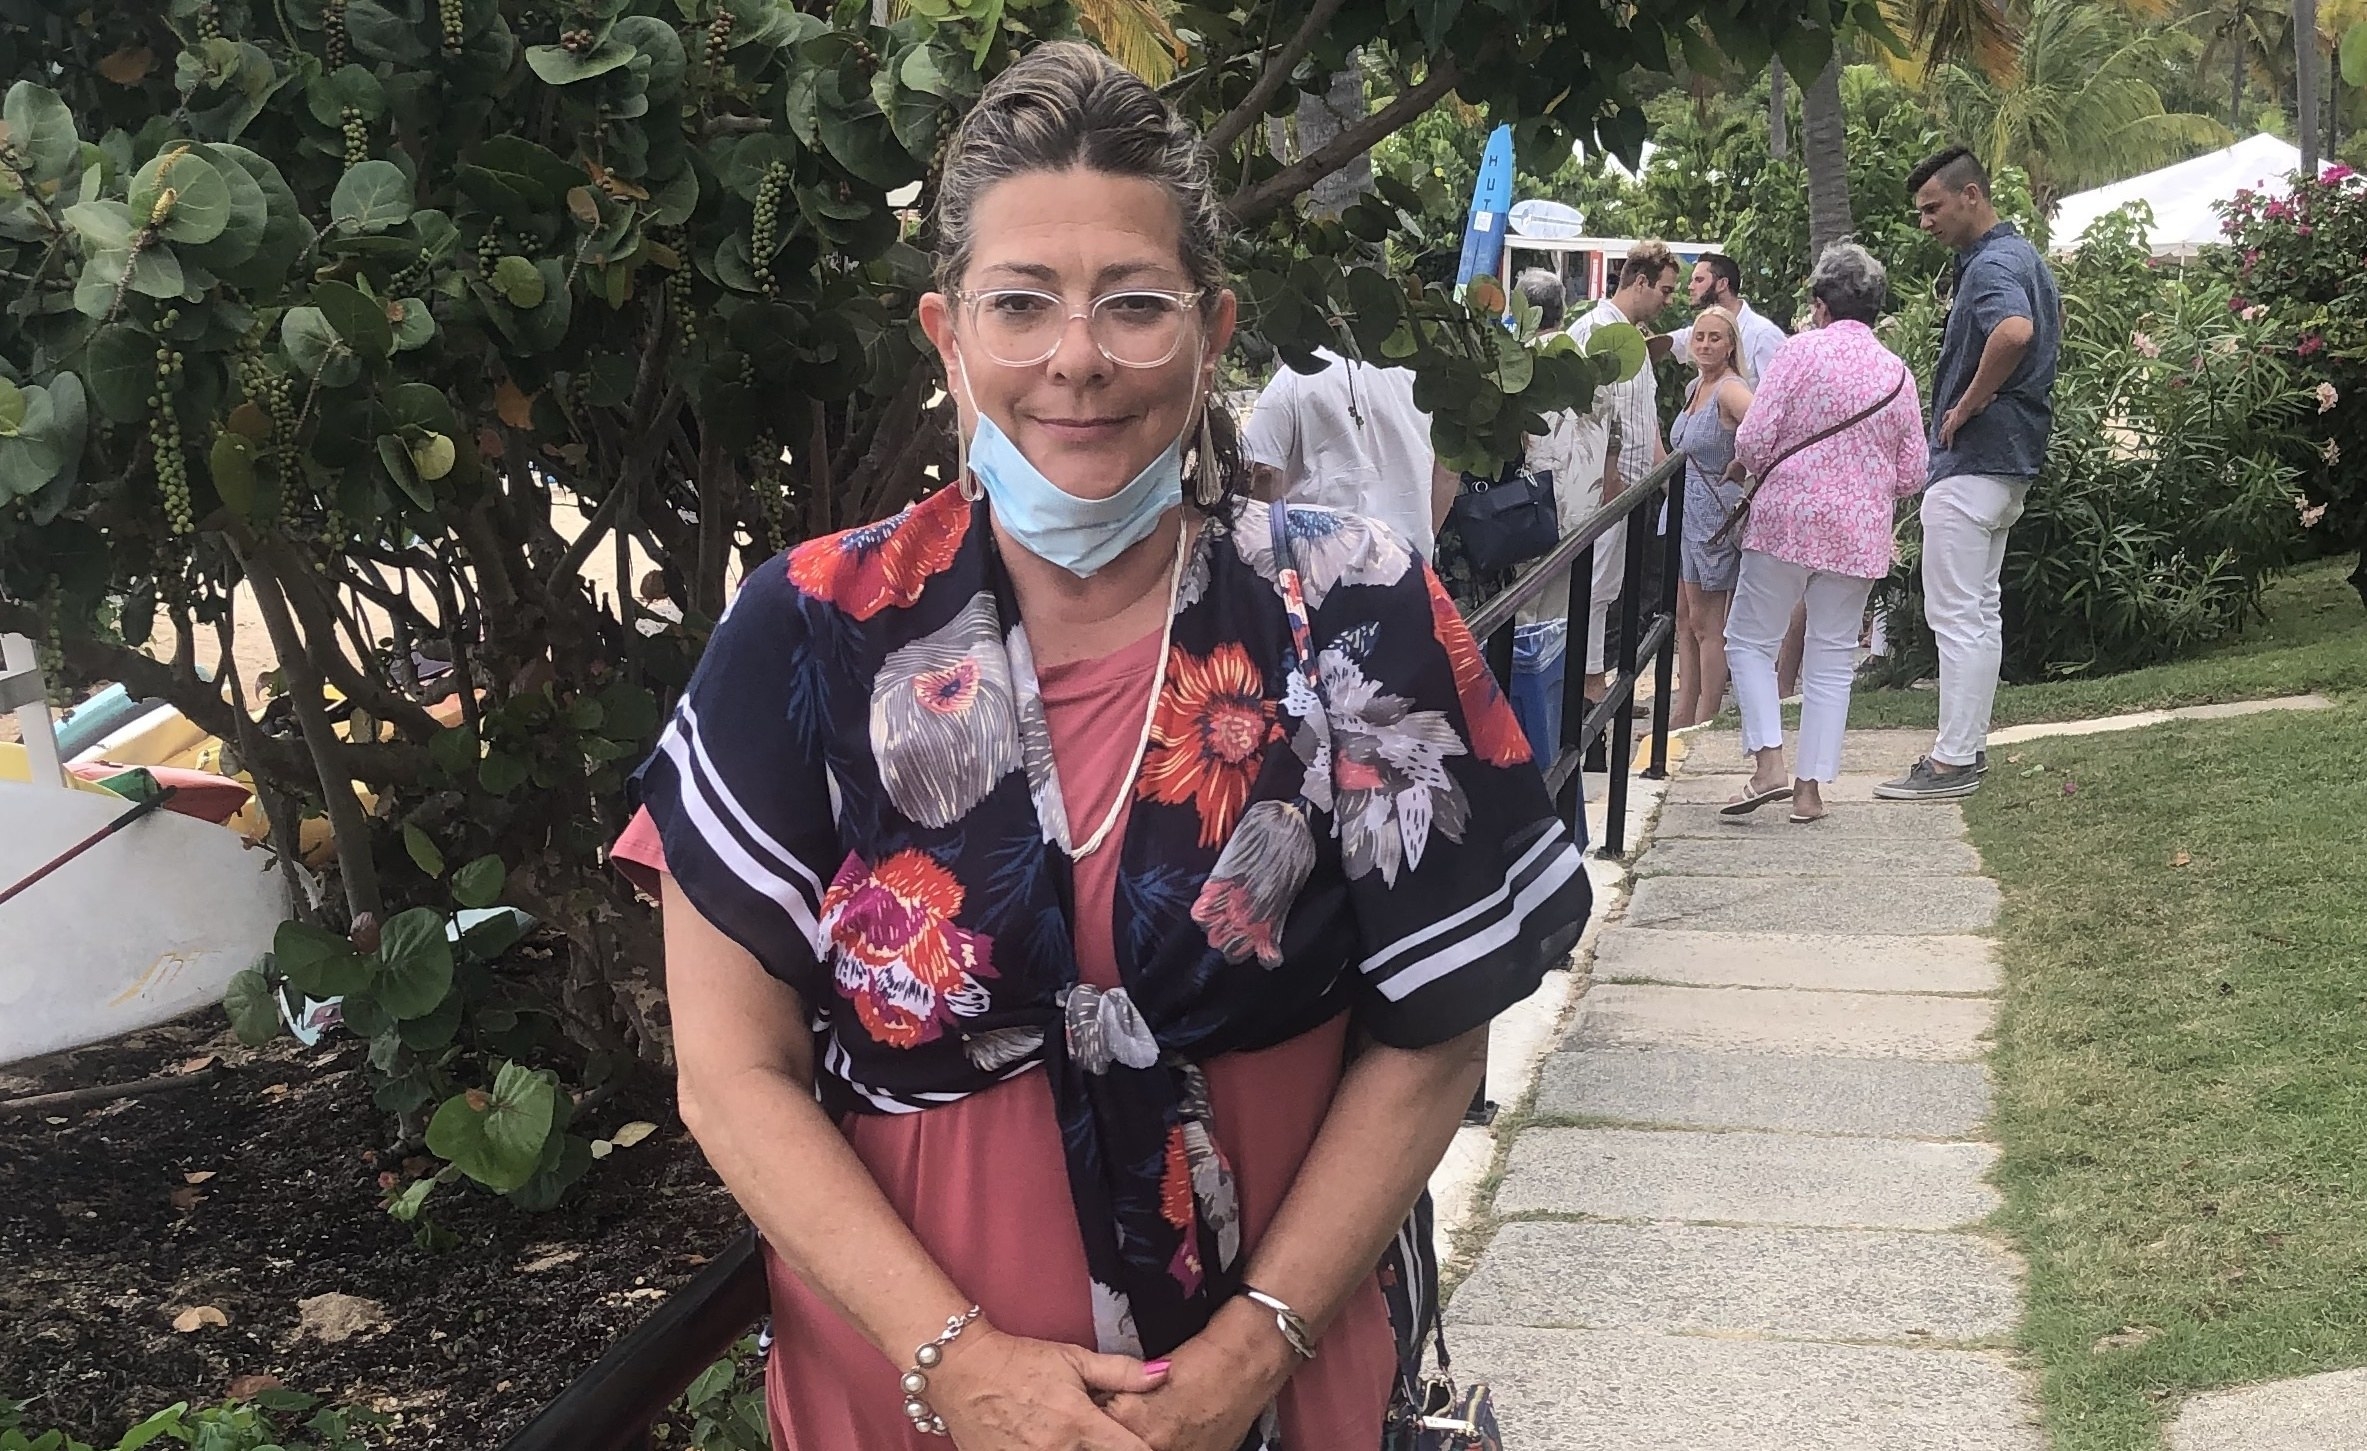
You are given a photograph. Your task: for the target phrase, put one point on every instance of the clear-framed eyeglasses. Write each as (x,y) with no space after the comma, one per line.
(1021,327)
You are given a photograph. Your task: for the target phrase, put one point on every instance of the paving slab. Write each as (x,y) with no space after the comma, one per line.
(1808,1284)
(2225,710)
(1748,1178)
(1612,1390)
(1871,963)
(1906,905)
(1780,1020)
(1887,820)
(1682,1087)
(2314,1413)
(1809,853)
(1887,751)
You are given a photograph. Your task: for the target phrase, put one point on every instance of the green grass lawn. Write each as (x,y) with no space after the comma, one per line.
(2182,1059)
(2314,638)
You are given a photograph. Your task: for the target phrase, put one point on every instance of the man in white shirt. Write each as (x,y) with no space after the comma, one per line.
(1716,281)
(1647,282)
(1350,438)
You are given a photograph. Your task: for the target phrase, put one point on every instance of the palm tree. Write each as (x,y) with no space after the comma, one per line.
(2250,38)
(2078,107)
(2305,80)
(1824,151)
(1978,31)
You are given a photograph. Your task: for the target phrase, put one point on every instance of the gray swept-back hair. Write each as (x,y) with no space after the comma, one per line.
(1850,283)
(1544,292)
(1066,105)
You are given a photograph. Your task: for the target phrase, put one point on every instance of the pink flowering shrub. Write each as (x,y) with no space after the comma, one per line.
(2299,259)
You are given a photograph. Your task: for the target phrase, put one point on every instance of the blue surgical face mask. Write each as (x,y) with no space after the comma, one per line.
(1080,535)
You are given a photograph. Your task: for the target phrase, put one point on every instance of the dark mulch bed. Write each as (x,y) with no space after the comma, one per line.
(97,1257)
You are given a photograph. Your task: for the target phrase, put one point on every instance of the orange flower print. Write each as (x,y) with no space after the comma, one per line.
(1209,737)
(895,951)
(884,565)
(1178,1209)
(1175,1184)
(1496,736)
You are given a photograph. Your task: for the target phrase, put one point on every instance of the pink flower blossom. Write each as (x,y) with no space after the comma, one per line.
(2332,453)
(2311,346)
(2337,172)
(2255,312)
(2146,347)
(2310,513)
(2327,397)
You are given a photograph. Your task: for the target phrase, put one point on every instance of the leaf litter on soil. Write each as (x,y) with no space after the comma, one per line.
(104,1239)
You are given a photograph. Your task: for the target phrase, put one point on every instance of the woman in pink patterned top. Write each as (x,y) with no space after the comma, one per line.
(1835,433)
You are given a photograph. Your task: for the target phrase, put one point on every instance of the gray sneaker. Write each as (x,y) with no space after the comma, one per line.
(1929,782)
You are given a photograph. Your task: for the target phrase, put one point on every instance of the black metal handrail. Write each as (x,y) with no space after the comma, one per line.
(1639,640)
(611,1406)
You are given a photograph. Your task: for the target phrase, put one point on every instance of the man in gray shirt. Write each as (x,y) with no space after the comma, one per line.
(1991,411)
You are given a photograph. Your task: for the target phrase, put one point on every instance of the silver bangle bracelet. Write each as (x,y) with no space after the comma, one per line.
(1292,1325)
(915,1383)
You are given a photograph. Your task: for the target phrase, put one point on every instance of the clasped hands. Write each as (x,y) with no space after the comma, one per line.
(1009,1393)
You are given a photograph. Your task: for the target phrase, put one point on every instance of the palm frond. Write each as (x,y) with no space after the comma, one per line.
(1976,33)
(1137,34)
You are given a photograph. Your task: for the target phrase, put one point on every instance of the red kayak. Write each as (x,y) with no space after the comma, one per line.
(200,794)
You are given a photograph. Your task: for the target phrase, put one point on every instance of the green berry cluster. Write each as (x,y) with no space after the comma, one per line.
(488,251)
(333,29)
(209,21)
(451,17)
(357,137)
(49,655)
(678,302)
(719,39)
(764,235)
(172,469)
(771,492)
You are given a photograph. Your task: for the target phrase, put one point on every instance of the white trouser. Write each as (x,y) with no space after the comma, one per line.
(1965,521)
(1765,594)
(1610,575)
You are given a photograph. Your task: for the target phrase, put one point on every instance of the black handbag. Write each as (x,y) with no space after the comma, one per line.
(1507,520)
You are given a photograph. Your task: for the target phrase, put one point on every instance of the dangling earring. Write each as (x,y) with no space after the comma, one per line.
(1210,490)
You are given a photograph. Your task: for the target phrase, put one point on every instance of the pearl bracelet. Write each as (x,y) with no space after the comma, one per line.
(915,1383)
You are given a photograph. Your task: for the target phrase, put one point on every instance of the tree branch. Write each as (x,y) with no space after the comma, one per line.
(1254,204)
(348,823)
(1236,123)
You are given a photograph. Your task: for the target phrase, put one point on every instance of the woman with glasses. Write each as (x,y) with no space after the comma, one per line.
(1085,900)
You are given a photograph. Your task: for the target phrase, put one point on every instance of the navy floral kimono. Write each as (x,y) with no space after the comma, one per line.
(1337,814)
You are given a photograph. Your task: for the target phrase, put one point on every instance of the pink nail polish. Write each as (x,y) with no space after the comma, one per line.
(1156,1367)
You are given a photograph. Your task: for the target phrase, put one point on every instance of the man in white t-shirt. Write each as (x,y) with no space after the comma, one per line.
(1350,438)
(1717,283)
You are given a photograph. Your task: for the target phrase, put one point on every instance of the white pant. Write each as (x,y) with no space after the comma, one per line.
(1765,593)
(1610,576)
(1965,521)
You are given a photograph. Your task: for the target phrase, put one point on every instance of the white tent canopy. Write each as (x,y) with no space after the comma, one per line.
(2181,196)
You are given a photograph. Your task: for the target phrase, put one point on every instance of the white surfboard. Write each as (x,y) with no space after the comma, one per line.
(147,925)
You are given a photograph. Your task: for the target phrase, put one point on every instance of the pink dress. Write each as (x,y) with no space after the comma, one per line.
(984,1186)
(1829,506)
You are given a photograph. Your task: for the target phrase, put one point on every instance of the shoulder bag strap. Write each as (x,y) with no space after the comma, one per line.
(1846,424)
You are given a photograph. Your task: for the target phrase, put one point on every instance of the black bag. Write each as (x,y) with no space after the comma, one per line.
(1507,520)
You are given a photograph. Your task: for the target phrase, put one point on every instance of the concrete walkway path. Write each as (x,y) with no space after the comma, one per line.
(1743,1214)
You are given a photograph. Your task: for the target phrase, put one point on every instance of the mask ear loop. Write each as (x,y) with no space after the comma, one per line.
(963,480)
